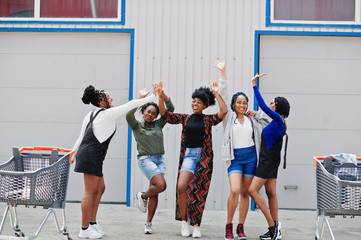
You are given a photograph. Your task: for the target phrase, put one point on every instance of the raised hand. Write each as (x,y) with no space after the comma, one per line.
(155,88)
(214,88)
(160,89)
(256,77)
(143,93)
(221,65)
(250,113)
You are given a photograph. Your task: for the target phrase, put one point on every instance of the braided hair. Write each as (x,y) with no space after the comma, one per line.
(206,95)
(234,99)
(282,106)
(93,96)
(142,108)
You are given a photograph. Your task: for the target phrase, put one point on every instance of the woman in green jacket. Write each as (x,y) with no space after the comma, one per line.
(149,137)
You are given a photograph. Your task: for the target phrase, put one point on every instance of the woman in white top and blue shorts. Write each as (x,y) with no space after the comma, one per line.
(241,144)
(245,155)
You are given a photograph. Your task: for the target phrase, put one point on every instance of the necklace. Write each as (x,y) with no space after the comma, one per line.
(236,121)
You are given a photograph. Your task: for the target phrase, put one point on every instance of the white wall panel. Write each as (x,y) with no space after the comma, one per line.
(308,77)
(318,75)
(43,78)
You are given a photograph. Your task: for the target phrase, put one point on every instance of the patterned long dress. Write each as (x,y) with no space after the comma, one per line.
(199,185)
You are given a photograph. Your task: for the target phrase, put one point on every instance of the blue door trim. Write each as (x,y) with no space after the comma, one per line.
(288,33)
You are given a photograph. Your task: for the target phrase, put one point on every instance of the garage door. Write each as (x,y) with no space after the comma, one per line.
(320,75)
(43,75)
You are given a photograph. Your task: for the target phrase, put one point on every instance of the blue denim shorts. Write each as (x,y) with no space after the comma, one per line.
(244,162)
(191,159)
(152,165)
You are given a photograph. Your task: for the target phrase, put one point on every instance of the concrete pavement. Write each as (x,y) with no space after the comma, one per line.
(121,222)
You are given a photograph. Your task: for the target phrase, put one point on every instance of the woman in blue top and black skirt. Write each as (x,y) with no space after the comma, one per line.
(269,159)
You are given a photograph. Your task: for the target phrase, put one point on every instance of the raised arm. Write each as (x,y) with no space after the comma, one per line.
(223,83)
(130,117)
(222,105)
(168,103)
(272,114)
(221,65)
(116,112)
(162,97)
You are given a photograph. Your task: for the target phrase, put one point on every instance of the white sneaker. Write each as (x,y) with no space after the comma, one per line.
(142,203)
(148,228)
(185,229)
(98,228)
(279,231)
(196,232)
(89,233)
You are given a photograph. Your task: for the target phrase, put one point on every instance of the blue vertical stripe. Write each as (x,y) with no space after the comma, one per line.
(129,152)
(256,69)
(268,13)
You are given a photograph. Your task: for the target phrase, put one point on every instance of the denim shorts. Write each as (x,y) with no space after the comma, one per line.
(244,162)
(191,159)
(152,165)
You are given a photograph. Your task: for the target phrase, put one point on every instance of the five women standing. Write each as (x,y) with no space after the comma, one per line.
(247,137)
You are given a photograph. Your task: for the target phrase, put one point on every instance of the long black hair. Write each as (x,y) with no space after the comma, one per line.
(93,96)
(282,106)
(206,95)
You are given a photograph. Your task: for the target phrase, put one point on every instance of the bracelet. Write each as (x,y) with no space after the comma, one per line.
(160,99)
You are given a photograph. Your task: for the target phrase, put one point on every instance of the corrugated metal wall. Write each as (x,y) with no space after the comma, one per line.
(178,41)
(43,78)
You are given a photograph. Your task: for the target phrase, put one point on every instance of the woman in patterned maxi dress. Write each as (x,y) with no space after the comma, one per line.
(193,184)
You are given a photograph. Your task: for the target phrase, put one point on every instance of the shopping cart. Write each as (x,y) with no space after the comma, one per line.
(338,191)
(35,176)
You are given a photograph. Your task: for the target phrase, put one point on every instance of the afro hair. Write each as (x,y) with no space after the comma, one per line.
(205,94)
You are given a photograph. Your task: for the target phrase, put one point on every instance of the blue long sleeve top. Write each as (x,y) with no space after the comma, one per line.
(273,132)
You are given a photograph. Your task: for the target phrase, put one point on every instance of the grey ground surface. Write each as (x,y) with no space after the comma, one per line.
(121,222)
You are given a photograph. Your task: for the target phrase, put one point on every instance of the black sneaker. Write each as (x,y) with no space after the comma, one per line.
(274,231)
(267,236)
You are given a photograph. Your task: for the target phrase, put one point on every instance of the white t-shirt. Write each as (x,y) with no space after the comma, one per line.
(242,133)
(104,123)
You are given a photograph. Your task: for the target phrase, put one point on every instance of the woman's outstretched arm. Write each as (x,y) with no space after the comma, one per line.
(272,114)
(221,104)
(116,112)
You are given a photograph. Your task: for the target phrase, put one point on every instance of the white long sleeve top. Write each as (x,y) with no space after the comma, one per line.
(260,120)
(104,124)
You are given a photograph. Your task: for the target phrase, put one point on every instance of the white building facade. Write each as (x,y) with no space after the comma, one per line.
(311,59)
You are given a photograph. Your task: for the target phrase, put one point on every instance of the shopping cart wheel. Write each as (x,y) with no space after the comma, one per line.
(19,234)
(66,236)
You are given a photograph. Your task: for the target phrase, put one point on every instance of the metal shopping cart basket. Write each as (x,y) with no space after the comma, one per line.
(338,191)
(36,176)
